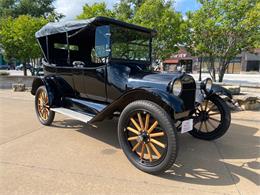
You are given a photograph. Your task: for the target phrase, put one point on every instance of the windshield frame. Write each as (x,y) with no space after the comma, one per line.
(150,37)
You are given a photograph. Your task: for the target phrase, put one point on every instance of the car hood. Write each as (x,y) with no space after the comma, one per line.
(152,80)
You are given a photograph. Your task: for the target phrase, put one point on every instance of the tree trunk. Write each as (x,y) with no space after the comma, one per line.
(211,67)
(223,64)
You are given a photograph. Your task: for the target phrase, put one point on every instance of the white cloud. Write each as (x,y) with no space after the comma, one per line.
(72,8)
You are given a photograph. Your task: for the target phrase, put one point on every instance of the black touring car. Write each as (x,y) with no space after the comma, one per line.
(99,68)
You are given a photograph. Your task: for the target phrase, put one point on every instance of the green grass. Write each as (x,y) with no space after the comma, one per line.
(4,73)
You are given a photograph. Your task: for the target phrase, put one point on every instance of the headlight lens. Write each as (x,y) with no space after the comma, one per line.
(177,87)
(208,84)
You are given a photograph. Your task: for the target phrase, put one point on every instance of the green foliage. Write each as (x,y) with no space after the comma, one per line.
(4,73)
(124,11)
(223,28)
(35,8)
(97,9)
(159,15)
(17,37)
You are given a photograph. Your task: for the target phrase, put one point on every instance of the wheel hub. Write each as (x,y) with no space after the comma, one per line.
(204,115)
(143,137)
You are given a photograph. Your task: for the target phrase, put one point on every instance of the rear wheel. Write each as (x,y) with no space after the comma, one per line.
(211,119)
(147,136)
(42,108)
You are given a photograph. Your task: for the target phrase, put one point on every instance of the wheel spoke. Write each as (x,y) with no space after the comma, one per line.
(157,134)
(142,151)
(147,121)
(158,143)
(149,152)
(200,125)
(206,106)
(213,106)
(133,130)
(140,121)
(213,113)
(44,114)
(132,138)
(155,150)
(214,119)
(152,127)
(206,127)
(211,124)
(136,146)
(135,124)
(45,98)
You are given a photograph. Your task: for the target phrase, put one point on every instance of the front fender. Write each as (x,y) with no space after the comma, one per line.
(164,97)
(169,102)
(219,90)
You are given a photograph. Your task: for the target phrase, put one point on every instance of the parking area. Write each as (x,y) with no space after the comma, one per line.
(71,157)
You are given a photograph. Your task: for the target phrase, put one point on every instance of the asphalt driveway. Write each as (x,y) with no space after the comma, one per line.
(71,157)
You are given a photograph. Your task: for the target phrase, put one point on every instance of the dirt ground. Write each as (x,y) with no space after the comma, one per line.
(71,157)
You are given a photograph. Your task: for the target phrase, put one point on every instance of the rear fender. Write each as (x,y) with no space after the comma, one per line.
(56,88)
(170,103)
(49,85)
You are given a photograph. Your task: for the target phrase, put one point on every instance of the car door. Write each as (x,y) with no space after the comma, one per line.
(95,82)
(90,77)
(79,81)
(65,78)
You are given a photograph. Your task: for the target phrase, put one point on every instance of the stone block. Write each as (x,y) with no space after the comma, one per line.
(18,87)
(248,102)
(234,89)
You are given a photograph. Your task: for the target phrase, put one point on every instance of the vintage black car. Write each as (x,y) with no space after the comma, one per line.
(100,68)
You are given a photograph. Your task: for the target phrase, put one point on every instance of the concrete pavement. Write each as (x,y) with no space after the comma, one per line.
(246,80)
(71,157)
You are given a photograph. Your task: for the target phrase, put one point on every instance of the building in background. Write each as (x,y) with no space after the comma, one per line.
(250,61)
(244,62)
(181,58)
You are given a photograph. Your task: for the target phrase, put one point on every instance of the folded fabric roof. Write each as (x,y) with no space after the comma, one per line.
(66,26)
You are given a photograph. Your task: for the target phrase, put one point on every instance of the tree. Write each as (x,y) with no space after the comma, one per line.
(160,15)
(35,8)
(97,9)
(221,29)
(17,37)
(124,11)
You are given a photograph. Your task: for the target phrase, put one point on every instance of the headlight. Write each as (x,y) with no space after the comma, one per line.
(207,84)
(177,87)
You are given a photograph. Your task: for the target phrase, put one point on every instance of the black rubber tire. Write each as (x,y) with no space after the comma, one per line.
(165,122)
(224,125)
(51,115)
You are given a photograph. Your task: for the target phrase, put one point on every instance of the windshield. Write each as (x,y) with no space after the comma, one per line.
(129,44)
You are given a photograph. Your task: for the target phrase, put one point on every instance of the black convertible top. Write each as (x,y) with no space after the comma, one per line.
(66,26)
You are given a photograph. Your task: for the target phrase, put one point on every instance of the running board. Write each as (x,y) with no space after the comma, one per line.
(73,114)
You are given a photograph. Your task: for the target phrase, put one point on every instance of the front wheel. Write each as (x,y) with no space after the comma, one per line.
(147,136)
(211,119)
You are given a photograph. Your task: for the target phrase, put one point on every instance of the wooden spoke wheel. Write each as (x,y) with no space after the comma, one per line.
(45,115)
(147,136)
(211,119)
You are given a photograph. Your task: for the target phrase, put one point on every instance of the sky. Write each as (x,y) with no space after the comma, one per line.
(70,10)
